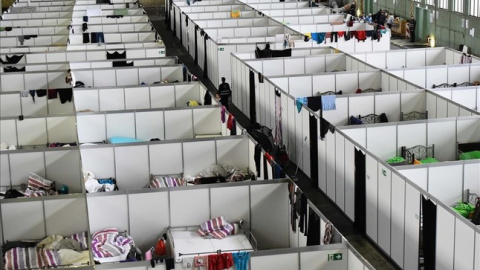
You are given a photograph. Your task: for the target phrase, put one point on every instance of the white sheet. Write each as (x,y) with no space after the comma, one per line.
(191,242)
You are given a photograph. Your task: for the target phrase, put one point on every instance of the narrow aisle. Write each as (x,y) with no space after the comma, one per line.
(376,258)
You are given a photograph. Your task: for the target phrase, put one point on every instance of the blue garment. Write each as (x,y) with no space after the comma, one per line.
(329,102)
(318,37)
(299,102)
(240,259)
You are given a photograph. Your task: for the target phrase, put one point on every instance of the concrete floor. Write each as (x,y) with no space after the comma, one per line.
(361,243)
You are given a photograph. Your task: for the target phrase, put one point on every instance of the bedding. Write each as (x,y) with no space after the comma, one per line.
(111,245)
(187,243)
(123,140)
(52,251)
(470,155)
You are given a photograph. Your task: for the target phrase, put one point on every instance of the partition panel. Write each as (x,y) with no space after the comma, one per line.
(4,170)
(388,104)
(232,203)
(108,212)
(349,179)
(148,126)
(471,174)
(445,183)
(112,99)
(32,131)
(371,167)
(99,161)
(280,261)
(163,96)
(406,139)
(137,98)
(468,130)
(384,207)
(412,227)
(340,171)
(188,207)
(23,220)
(269,205)
(419,176)
(8,134)
(381,141)
(198,156)
(361,105)
(205,121)
(61,129)
(56,163)
(464,245)
(21,164)
(10,105)
(232,152)
(161,164)
(120,125)
(91,128)
(330,165)
(175,131)
(443,135)
(445,240)
(477,247)
(132,167)
(143,228)
(313,260)
(66,216)
(397,219)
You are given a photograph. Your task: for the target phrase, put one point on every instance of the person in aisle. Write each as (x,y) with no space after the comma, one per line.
(224,93)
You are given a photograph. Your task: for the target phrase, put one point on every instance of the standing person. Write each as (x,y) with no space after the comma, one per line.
(390,21)
(224,92)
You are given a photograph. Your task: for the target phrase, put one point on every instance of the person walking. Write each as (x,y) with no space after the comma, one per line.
(224,93)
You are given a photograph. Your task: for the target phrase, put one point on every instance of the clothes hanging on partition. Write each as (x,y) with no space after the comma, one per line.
(14,59)
(253,110)
(313,132)
(32,93)
(299,102)
(85,18)
(97,37)
(41,92)
(122,64)
(195,60)
(265,168)
(328,102)
(302,212)
(65,94)
(292,199)
(314,103)
(84,27)
(117,55)
(240,259)
(220,261)
(313,236)
(52,94)
(13,69)
(325,126)
(205,65)
(278,118)
(265,53)
(318,37)
(281,53)
(86,38)
(256,158)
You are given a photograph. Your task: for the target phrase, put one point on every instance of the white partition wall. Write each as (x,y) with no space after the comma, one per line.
(91,78)
(49,163)
(172,210)
(140,97)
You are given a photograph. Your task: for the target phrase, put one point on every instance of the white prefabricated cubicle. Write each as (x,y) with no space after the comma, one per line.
(91,64)
(49,163)
(138,97)
(89,53)
(409,58)
(393,199)
(62,30)
(144,125)
(85,47)
(467,96)
(120,76)
(431,77)
(130,211)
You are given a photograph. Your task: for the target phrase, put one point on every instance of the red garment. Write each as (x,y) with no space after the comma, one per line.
(220,261)
(341,33)
(361,35)
(230,121)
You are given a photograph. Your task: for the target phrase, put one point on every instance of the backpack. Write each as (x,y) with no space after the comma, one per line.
(264,137)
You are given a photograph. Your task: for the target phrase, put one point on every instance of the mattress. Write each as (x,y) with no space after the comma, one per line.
(190,242)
